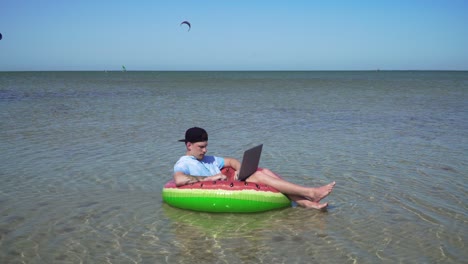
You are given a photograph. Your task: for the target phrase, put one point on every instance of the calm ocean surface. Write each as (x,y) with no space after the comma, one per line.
(84,157)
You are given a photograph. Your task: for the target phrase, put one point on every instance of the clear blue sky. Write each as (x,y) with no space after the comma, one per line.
(234,35)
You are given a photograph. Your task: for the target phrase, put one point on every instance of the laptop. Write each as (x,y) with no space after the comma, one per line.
(250,162)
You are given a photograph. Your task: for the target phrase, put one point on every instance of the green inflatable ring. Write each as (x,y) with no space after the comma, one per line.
(229,196)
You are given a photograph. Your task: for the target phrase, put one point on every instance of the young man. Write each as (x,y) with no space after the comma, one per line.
(196,166)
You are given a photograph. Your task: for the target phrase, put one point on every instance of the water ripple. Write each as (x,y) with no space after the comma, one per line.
(85,156)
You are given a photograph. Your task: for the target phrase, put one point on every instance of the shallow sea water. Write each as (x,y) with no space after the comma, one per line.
(84,157)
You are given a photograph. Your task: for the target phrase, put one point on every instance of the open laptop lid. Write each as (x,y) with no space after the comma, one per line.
(250,162)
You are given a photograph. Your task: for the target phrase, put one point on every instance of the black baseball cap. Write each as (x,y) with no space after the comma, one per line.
(195,134)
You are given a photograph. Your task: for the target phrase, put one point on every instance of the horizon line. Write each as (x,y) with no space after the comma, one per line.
(375,70)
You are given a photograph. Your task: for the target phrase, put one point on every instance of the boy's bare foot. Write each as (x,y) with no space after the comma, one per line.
(321,192)
(312,205)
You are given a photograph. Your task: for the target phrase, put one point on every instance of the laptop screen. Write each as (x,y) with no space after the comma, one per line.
(250,162)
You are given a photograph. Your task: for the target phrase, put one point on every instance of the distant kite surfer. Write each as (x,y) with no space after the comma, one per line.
(186,23)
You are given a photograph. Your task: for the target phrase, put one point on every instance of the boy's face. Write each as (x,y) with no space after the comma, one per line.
(198,149)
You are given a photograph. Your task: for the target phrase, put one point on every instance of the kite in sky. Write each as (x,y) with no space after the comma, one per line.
(0,36)
(186,23)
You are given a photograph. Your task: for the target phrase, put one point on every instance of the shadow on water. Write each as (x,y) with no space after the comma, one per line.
(250,238)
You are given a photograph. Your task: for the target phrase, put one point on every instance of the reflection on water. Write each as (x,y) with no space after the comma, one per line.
(250,238)
(85,155)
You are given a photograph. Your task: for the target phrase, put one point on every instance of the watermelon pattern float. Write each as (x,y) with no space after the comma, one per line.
(228,196)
